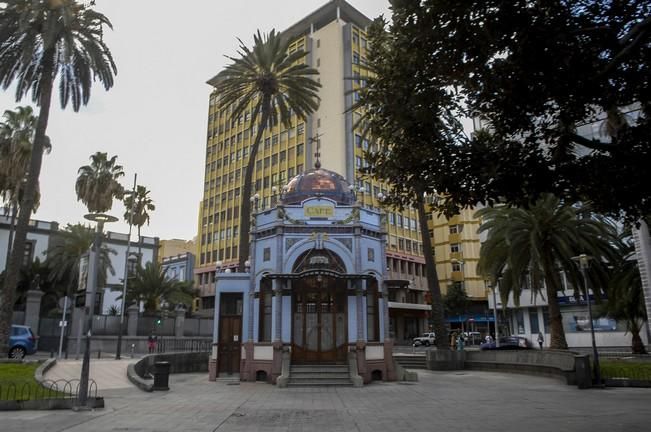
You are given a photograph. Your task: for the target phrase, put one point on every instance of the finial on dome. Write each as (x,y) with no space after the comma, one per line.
(317,154)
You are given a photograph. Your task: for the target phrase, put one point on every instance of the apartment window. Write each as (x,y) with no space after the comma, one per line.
(355,39)
(533,320)
(455,248)
(371,254)
(274,140)
(299,149)
(283,155)
(267,162)
(355,58)
(358,162)
(456,267)
(456,229)
(519,317)
(299,168)
(392,218)
(300,129)
(401,244)
(267,143)
(266,254)
(358,140)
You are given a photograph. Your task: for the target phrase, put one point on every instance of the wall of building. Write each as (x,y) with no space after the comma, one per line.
(38,235)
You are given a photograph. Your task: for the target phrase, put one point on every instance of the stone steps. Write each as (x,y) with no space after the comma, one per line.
(319,376)
(411,361)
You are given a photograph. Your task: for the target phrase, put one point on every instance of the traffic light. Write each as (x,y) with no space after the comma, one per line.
(159,321)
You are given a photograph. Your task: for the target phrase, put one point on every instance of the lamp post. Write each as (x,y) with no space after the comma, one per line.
(101,219)
(118,350)
(583,261)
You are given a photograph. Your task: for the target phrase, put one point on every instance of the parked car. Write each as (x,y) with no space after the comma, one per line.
(21,342)
(508,343)
(426,339)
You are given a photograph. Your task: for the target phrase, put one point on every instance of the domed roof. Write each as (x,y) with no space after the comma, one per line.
(318,182)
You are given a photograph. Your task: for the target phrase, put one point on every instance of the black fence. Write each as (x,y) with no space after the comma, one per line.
(165,345)
(47,390)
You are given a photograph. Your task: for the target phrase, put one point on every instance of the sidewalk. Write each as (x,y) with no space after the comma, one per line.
(462,400)
(108,374)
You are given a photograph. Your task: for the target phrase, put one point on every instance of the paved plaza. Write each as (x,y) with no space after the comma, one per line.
(459,401)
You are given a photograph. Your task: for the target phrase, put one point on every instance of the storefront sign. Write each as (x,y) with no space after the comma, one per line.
(319,211)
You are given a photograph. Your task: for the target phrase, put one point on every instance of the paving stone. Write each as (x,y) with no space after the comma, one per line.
(467,401)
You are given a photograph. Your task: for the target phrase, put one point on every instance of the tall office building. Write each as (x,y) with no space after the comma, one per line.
(334,37)
(457,244)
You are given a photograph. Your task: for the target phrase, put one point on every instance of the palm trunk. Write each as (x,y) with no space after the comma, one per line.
(245,205)
(438,317)
(139,248)
(637,346)
(12,225)
(27,203)
(557,337)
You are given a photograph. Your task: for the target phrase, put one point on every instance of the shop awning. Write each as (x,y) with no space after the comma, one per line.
(477,318)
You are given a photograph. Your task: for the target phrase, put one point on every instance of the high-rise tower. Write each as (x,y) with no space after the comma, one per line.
(335,38)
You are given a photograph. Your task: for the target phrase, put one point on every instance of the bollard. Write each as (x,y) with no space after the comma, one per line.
(99,354)
(133,348)
(51,354)
(161,376)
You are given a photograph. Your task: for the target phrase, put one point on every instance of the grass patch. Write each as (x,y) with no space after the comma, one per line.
(17,383)
(626,369)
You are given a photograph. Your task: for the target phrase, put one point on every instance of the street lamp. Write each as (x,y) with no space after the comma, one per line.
(118,350)
(583,261)
(101,219)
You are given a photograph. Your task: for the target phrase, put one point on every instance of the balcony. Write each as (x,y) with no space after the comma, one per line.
(409,306)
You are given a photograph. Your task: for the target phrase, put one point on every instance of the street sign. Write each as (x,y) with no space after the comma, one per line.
(63,323)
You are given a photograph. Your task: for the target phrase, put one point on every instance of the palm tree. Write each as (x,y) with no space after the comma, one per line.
(273,84)
(531,246)
(140,204)
(16,138)
(97,184)
(153,287)
(626,297)
(41,41)
(65,253)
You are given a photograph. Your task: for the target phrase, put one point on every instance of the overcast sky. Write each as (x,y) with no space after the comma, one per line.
(154,118)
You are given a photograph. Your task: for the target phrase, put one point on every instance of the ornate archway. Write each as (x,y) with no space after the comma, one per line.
(319,308)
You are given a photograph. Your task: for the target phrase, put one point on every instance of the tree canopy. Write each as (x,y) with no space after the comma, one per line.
(561,88)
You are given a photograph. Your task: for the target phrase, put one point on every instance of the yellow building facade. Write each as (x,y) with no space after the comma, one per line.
(457,243)
(335,39)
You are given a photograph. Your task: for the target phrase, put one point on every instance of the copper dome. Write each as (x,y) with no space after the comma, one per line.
(318,182)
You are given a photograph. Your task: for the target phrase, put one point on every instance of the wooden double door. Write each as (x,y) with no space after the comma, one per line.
(230,333)
(319,321)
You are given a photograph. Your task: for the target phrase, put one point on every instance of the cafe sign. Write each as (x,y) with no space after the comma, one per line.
(319,211)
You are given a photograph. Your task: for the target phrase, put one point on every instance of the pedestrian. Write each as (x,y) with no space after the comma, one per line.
(489,338)
(541,340)
(151,343)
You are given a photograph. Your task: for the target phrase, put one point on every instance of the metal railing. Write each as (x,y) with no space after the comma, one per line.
(47,390)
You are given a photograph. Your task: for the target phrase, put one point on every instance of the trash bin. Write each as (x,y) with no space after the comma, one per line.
(161,376)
